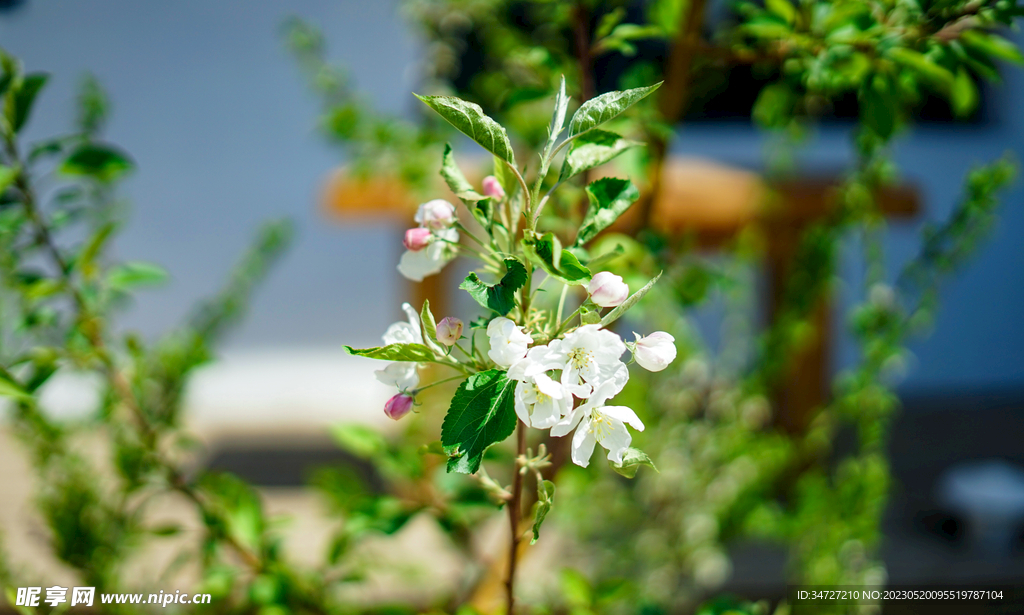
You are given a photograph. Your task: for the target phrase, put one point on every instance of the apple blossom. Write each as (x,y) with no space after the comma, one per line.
(437,215)
(607,289)
(416,238)
(402,374)
(492,188)
(508,341)
(449,330)
(398,406)
(597,423)
(590,354)
(654,352)
(418,264)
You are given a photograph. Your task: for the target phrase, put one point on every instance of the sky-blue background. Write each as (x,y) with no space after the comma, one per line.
(222,126)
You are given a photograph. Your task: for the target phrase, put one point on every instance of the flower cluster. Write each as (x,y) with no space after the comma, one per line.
(526,365)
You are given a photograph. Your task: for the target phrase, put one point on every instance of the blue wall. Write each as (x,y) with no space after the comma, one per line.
(213,109)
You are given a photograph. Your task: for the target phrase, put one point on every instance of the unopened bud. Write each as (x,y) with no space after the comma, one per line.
(449,330)
(492,188)
(607,289)
(416,239)
(398,406)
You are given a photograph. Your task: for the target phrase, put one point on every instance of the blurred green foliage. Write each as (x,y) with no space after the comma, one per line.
(729,472)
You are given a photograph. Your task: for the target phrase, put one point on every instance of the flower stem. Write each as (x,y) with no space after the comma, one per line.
(434,384)
(514,515)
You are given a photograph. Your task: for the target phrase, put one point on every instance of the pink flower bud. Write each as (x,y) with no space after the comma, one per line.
(607,289)
(449,330)
(492,188)
(398,406)
(416,239)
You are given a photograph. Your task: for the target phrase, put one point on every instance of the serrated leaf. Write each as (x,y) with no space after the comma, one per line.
(25,98)
(395,352)
(481,414)
(593,149)
(456,181)
(7,177)
(134,274)
(545,499)
(104,162)
(621,309)
(547,252)
(500,297)
(600,109)
(632,459)
(609,198)
(471,121)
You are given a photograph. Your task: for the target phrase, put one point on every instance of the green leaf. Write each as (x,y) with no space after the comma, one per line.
(362,441)
(592,150)
(129,275)
(545,498)
(935,74)
(609,198)
(964,95)
(7,177)
(429,326)
(632,459)
(481,414)
(774,106)
(557,118)
(104,162)
(599,110)
(621,309)
(456,181)
(547,252)
(395,352)
(10,388)
(993,46)
(782,8)
(879,106)
(25,97)
(471,121)
(501,297)
(505,177)
(589,317)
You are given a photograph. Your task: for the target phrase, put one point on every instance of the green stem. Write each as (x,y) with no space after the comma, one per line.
(434,384)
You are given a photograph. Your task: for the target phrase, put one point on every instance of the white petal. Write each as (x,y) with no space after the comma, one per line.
(521,410)
(616,439)
(625,415)
(547,413)
(418,265)
(568,423)
(548,386)
(582,446)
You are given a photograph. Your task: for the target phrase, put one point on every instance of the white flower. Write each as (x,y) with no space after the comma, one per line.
(540,401)
(590,354)
(402,374)
(418,264)
(405,332)
(438,214)
(508,342)
(598,423)
(654,352)
(607,289)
